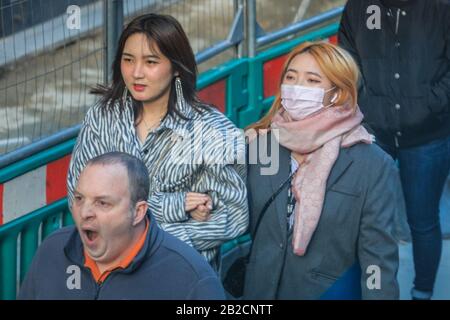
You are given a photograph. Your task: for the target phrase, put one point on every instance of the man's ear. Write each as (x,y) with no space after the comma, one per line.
(140,210)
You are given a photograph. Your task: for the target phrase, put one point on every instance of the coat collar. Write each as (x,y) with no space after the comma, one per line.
(343,161)
(173,123)
(178,125)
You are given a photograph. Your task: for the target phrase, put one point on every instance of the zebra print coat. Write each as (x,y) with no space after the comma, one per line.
(203,154)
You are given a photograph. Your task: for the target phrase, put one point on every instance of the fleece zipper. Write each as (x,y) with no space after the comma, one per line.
(100,285)
(397,22)
(97,291)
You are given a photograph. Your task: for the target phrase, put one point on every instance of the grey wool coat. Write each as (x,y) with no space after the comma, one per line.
(352,253)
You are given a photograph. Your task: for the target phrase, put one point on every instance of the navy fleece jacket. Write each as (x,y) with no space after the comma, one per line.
(165,268)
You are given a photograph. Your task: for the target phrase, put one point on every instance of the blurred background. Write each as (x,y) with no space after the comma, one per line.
(46,69)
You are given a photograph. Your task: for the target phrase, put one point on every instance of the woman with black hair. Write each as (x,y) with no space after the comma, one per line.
(152,112)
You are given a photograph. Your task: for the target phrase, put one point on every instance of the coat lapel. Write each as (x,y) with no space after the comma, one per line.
(342,163)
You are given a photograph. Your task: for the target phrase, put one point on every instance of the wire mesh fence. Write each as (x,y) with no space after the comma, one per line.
(47,68)
(272,16)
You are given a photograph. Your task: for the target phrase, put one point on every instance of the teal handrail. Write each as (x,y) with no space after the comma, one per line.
(20,239)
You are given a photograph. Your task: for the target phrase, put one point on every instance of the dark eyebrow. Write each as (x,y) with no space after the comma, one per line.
(103,197)
(147,56)
(107,198)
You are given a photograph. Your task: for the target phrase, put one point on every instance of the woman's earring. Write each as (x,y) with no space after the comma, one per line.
(124,95)
(180,97)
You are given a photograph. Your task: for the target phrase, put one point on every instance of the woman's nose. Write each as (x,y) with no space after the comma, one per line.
(137,71)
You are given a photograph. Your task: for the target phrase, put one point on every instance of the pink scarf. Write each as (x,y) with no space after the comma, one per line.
(319,137)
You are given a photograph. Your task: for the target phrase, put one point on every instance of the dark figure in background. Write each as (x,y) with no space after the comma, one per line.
(403,50)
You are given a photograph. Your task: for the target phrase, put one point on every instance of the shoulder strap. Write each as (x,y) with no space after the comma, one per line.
(269,202)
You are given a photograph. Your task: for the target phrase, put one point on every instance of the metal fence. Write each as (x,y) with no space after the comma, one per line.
(49,59)
(46,68)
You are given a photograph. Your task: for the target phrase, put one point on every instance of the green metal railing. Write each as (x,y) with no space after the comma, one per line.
(235,72)
(245,104)
(19,240)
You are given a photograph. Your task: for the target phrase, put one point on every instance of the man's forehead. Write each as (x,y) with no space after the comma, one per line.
(112,177)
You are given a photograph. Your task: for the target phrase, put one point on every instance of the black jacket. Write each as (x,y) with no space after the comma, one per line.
(405,66)
(165,268)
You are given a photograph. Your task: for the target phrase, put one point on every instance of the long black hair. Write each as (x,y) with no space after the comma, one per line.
(166,32)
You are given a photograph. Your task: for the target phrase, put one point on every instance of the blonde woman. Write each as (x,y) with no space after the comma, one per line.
(321,226)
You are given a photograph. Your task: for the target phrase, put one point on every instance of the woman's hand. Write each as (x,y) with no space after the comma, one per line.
(198,205)
(200,214)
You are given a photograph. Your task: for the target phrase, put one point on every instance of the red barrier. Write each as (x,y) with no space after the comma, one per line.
(215,94)
(56,179)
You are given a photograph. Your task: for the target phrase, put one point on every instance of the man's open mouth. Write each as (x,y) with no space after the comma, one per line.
(91,235)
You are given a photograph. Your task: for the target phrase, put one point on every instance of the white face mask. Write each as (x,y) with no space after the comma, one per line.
(300,101)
